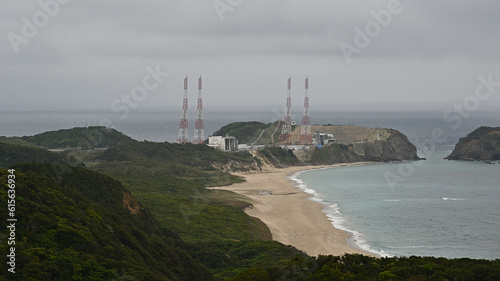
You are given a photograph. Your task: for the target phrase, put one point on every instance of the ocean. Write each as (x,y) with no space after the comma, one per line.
(444,208)
(434,207)
(427,208)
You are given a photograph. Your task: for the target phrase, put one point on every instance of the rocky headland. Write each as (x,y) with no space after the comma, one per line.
(351,143)
(483,144)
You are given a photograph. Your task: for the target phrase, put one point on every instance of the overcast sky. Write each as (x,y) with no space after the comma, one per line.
(420,55)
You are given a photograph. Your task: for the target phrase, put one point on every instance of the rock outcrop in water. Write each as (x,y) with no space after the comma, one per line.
(482,144)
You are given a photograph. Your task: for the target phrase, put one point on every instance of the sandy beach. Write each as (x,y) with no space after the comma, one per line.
(291,217)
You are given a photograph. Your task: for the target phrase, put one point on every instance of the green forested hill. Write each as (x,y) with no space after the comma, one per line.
(11,154)
(195,155)
(171,179)
(79,137)
(197,163)
(214,228)
(184,157)
(75,224)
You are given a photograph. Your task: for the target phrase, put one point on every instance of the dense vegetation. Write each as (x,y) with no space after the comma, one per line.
(72,225)
(188,208)
(11,154)
(81,138)
(198,156)
(171,179)
(359,267)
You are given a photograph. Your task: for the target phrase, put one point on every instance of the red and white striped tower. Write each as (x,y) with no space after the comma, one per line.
(305,129)
(182,137)
(286,130)
(198,126)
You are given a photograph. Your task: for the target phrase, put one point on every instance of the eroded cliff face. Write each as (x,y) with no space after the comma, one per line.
(482,144)
(392,145)
(380,145)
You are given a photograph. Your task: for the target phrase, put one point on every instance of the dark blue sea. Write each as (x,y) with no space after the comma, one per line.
(434,207)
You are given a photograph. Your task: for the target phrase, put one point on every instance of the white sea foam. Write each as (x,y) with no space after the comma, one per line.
(334,215)
(300,184)
(453,199)
(427,247)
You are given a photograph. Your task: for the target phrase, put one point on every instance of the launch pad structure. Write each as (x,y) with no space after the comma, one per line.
(286,129)
(182,137)
(305,129)
(198,125)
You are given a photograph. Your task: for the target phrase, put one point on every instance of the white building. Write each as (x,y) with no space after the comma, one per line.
(321,138)
(226,143)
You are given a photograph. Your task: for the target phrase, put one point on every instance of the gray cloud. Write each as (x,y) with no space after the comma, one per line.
(91,52)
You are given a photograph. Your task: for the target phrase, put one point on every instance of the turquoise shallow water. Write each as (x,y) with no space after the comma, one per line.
(435,207)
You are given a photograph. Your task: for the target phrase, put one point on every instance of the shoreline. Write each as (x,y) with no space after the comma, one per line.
(290,214)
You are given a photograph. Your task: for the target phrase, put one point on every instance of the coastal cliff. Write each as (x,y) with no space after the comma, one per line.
(380,145)
(390,145)
(482,144)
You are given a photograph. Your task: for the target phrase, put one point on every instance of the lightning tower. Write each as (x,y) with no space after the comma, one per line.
(198,126)
(182,137)
(305,129)
(286,137)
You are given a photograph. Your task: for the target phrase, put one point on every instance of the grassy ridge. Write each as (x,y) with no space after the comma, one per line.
(198,156)
(245,132)
(80,137)
(11,154)
(480,132)
(16,141)
(252,132)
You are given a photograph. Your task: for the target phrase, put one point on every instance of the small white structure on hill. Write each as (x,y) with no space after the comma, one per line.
(226,143)
(321,138)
